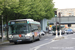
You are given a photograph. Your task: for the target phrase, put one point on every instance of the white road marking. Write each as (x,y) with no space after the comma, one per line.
(73,38)
(37,47)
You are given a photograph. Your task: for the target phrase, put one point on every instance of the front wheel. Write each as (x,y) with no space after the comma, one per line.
(43,34)
(15,42)
(39,37)
(67,33)
(32,39)
(71,33)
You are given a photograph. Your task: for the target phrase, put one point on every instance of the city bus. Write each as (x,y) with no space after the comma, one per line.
(23,30)
(58,29)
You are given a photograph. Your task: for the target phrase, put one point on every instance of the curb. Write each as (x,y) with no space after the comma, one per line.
(4,42)
(58,38)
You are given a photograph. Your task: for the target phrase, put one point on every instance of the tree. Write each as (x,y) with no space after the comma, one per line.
(37,9)
(6,9)
(22,9)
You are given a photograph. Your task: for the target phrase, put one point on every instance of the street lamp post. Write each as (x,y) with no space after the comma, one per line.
(2,28)
(56,23)
(60,23)
(56,28)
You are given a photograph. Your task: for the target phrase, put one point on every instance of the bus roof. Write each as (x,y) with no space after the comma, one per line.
(28,20)
(22,20)
(34,22)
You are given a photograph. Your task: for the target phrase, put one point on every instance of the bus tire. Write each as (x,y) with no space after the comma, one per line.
(15,42)
(67,33)
(39,37)
(32,39)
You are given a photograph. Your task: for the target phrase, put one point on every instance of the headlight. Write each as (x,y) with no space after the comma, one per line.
(10,36)
(28,35)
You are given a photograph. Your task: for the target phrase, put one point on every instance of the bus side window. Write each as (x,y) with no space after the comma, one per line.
(39,27)
(29,28)
(34,27)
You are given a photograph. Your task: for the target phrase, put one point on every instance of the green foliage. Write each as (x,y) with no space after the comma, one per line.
(19,9)
(7,8)
(37,9)
(1,6)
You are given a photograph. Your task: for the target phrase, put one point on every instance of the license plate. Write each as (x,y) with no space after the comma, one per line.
(19,40)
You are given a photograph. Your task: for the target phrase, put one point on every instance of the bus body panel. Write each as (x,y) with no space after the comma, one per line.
(27,31)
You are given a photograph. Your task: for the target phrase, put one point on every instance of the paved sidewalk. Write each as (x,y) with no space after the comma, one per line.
(68,43)
(4,42)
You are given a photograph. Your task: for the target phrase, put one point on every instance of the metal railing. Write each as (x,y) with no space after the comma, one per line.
(63,19)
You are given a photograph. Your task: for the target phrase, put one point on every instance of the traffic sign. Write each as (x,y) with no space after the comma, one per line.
(50,25)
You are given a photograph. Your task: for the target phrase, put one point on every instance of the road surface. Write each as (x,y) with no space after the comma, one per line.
(27,45)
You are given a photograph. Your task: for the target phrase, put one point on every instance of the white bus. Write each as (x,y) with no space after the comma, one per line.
(24,30)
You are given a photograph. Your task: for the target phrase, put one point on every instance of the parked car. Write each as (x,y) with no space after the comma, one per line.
(42,32)
(69,31)
(63,30)
(46,31)
(73,30)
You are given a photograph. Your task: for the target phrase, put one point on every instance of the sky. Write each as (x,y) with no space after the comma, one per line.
(62,4)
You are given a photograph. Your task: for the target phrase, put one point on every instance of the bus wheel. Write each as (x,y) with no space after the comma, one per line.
(15,42)
(39,37)
(32,39)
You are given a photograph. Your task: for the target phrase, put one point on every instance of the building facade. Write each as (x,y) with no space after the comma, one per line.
(66,12)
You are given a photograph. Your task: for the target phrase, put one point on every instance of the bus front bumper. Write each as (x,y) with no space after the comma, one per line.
(19,40)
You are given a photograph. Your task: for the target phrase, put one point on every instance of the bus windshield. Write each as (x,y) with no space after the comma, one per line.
(54,28)
(18,29)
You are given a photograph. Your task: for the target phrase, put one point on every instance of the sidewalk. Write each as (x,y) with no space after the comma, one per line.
(4,39)
(4,42)
(68,43)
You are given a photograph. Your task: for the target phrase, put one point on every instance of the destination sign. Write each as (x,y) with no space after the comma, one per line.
(18,22)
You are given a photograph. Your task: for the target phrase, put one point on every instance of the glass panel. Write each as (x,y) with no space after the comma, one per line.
(34,27)
(18,29)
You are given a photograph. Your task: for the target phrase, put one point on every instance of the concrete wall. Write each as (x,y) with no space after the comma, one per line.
(44,24)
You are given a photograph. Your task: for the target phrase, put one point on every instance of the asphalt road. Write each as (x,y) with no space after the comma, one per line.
(27,45)
(46,43)
(67,43)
